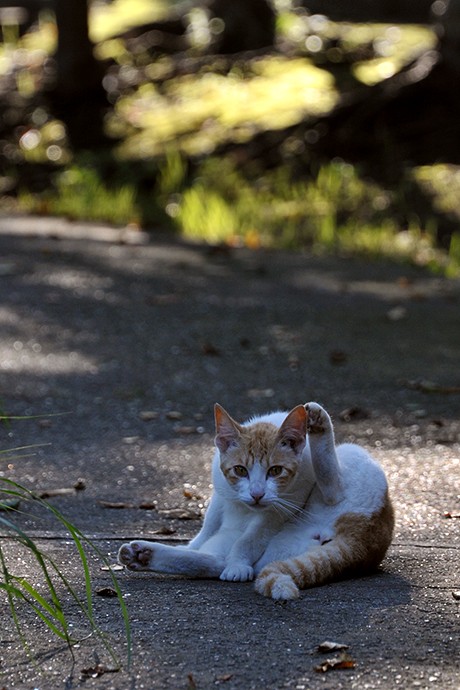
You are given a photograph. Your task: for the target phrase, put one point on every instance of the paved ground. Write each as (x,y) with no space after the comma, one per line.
(134,343)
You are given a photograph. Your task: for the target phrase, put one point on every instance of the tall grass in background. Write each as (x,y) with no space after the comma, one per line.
(334,210)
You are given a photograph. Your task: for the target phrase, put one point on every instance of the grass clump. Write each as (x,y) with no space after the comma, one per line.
(81,193)
(49,599)
(333,211)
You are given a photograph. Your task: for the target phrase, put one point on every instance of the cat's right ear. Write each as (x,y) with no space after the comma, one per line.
(227,430)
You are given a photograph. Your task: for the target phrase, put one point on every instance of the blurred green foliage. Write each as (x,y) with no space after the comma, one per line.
(170,115)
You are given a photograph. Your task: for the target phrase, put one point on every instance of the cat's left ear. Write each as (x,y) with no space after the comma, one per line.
(227,430)
(293,431)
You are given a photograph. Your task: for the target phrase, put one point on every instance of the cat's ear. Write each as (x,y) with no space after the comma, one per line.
(293,431)
(228,432)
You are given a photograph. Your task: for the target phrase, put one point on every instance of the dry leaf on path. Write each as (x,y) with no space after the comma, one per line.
(96,671)
(179,514)
(50,493)
(106,592)
(327,646)
(339,663)
(114,505)
(191,682)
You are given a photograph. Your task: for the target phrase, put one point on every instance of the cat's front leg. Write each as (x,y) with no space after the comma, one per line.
(247,550)
(173,560)
(323,454)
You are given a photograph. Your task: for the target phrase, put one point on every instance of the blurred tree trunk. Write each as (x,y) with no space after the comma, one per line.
(248,25)
(450,37)
(78,97)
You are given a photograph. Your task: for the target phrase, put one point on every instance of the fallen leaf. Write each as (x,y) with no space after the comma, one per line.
(451,516)
(338,357)
(188,430)
(165,531)
(327,646)
(45,423)
(340,663)
(9,504)
(50,493)
(224,677)
(107,592)
(404,281)
(191,682)
(426,386)
(115,505)
(80,484)
(210,350)
(191,493)
(173,414)
(456,595)
(114,567)
(97,671)
(147,505)
(179,514)
(355,413)
(148,415)
(397,313)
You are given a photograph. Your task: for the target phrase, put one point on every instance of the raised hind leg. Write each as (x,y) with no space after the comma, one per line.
(323,454)
(173,560)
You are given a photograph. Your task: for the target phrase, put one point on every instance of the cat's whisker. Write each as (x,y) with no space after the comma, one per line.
(292,510)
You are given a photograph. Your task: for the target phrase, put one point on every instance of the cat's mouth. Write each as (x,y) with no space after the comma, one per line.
(257,504)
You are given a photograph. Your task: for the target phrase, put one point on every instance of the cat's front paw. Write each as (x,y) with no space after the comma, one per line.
(137,555)
(318,420)
(237,573)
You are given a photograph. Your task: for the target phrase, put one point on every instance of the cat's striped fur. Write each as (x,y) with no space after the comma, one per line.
(289,508)
(358,547)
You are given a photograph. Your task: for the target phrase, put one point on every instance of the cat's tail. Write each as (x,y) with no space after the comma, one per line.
(358,548)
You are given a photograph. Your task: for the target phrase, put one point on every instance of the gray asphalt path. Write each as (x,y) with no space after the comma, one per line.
(123,347)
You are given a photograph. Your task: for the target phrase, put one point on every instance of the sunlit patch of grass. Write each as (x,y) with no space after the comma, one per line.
(395,46)
(199,113)
(81,194)
(334,211)
(107,20)
(442,182)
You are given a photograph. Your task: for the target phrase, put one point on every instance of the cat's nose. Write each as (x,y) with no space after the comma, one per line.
(257,494)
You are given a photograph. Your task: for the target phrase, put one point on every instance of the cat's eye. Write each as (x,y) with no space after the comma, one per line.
(240,471)
(275,471)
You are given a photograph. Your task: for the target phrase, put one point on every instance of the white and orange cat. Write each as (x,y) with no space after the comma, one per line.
(289,508)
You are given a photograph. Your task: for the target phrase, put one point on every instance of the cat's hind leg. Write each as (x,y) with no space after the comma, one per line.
(173,560)
(323,454)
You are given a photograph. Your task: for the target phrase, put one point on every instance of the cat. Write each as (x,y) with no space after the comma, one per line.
(289,508)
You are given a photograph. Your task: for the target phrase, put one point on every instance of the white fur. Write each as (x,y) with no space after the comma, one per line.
(238,539)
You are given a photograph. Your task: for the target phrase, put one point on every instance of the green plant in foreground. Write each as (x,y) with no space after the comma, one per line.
(49,607)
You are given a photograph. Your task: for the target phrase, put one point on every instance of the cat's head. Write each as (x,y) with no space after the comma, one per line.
(260,461)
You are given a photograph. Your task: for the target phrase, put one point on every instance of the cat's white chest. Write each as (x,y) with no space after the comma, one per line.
(235,521)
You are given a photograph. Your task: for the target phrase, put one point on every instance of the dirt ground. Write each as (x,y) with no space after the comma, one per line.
(123,347)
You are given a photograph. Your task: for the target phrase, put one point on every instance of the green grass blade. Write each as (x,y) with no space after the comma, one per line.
(46,564)
(15,591)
